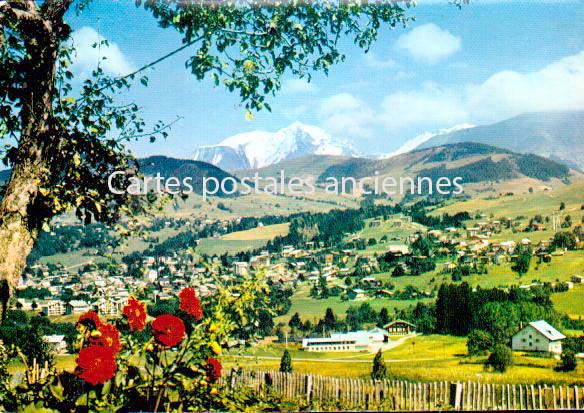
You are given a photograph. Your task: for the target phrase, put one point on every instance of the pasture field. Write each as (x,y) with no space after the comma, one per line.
(528,204)
(314,309)
(218,246)
(570,302)
(241,240)
(422,358)
(266,233)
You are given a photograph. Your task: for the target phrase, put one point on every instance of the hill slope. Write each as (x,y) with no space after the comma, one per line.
(475,163)
(182,168)
(555,135)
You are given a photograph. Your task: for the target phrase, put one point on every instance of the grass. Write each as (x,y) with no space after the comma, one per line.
(264,233)
(570,302)
(431,358)
(314,309)
(218,246)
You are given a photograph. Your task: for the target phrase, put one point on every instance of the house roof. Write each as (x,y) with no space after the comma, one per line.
(547,330)
(398,321)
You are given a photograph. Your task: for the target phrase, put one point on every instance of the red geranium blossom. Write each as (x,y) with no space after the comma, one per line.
(190,304)
(213,368)
(89,319)
(109,337)
(135,311)
(96,364)
(168,330)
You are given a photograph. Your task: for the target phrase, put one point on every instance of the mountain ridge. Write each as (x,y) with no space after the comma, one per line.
(554,135)
(258,149)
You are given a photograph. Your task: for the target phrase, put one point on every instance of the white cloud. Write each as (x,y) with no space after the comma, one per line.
(298,86)
(429,106)
(374,62)
(87,57)
(346,115)
(429,43)
(558,86)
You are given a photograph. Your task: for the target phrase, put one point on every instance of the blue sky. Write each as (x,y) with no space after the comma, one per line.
(486,62)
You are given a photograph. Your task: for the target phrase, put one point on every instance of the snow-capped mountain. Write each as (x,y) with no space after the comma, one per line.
(413,143)
(259,148)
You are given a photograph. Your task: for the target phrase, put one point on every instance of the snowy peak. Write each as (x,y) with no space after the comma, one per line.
(415,142)
(258,149)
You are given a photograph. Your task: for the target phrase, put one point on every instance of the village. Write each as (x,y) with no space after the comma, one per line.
(362,269)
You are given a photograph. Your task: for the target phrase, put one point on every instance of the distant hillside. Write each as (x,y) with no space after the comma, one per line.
(303,167)
(182,168)
(555,135)
(472,161)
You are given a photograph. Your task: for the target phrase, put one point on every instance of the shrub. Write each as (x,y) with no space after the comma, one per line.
(379,371)
(568,361)
(500,359)
(479,343)
(286,362)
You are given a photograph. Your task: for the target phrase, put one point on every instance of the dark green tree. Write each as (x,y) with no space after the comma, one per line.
(286,362)
(378,371)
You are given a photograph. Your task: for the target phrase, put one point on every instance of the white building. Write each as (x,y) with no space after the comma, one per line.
(57,343)
(354,341)
(53,307)
(538,336)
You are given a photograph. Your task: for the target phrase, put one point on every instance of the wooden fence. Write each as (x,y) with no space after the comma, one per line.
(365,394)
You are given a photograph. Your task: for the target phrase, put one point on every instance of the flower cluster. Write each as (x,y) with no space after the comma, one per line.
(101,342)
(96,363)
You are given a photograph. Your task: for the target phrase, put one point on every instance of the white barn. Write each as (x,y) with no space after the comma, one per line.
(538,336)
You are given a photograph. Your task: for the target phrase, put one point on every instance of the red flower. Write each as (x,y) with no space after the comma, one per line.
(213,368)
(190,304)
(109,337)
(89,319)
(96,364)
(135,311)
(168,330)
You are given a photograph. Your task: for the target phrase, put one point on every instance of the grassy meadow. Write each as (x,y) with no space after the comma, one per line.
(422,358)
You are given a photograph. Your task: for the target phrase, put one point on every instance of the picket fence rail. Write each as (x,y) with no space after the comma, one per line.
(399,395)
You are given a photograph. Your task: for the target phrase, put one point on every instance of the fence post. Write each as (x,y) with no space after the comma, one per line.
(457,396)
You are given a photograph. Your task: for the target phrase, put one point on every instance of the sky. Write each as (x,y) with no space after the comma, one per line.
(488,61)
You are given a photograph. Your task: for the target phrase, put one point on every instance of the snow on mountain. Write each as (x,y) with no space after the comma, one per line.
(259,148)
(413,143)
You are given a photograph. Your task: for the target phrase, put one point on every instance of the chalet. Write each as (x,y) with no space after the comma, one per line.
(260,261)
(53,307)
(538,336)
(76,307)
(56,342)
(241,268)
(472,232)
(357,294)
(400,327)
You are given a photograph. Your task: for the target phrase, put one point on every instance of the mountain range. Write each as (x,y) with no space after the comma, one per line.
(259,149)
(555,135)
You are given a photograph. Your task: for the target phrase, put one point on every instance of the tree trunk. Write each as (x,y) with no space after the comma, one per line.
(22,211)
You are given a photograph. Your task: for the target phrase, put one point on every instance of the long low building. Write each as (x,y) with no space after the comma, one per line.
(353,341)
